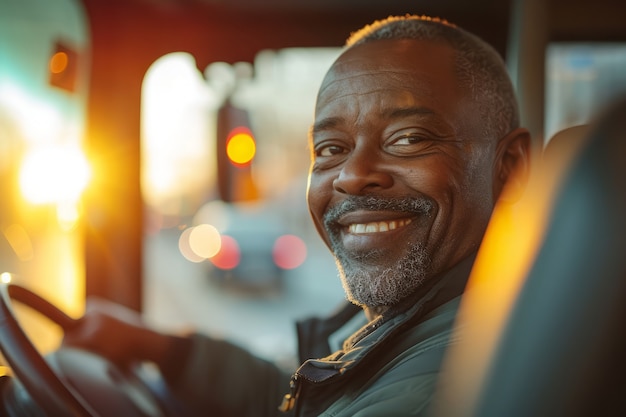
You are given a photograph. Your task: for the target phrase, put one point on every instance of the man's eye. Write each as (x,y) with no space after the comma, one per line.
(408,140)
(410,143)
(329,150)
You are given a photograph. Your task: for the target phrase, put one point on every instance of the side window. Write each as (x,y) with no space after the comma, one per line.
(229,246)
(581,79)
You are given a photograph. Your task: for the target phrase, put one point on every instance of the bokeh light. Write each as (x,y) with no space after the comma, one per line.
(5,277)
(241,146)
(58,62)
(229,255)
(184,247)
(289,252)
(204,240)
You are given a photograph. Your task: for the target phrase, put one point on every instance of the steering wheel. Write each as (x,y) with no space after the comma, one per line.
(69,381)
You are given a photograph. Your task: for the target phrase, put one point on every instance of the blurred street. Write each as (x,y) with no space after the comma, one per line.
(179,295)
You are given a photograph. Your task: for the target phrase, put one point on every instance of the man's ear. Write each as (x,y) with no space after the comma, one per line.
(512,165)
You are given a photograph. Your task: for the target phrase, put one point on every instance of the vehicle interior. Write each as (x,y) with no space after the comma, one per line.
(540,328)
(547,286)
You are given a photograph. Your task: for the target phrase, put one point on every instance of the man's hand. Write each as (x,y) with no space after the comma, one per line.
(117,333)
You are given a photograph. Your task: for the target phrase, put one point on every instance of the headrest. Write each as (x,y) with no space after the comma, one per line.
(541,327)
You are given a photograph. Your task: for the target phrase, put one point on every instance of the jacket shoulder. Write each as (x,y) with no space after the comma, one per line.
(406,384)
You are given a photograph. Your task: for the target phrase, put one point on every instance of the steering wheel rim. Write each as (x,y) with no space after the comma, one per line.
(41,382)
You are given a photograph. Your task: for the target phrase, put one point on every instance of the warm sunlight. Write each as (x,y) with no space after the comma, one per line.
(54,174)
(514,236)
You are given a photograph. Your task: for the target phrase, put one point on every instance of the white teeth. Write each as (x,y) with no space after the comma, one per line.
(376,227)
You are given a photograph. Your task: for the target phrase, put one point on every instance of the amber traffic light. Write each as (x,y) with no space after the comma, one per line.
(240,146)
(236,149)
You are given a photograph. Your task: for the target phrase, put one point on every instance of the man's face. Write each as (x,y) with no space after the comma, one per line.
(400,186)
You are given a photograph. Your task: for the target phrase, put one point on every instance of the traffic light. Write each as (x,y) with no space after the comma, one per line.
(236,148)
(63,67)
(240,146)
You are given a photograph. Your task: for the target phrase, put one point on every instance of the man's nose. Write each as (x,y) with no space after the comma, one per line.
(362,174)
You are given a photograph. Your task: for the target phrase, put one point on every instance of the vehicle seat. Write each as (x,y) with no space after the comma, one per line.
(542,328)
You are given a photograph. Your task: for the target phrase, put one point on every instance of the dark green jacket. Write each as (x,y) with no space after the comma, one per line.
(387,368)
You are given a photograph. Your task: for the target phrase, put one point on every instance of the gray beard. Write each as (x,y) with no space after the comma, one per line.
(365,283)
(381,286)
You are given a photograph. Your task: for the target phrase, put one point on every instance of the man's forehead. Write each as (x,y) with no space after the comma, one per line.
(388,53)
(382,78)
(401,87)
(360,75)
(392,62)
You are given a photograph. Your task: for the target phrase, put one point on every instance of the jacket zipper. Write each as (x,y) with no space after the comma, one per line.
(289,400)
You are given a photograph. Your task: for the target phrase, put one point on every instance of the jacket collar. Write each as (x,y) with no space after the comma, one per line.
(410,311)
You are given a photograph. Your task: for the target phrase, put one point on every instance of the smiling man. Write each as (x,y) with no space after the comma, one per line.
(416,133)
(404,178)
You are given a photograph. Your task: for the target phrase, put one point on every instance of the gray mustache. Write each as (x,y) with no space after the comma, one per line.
(418,205)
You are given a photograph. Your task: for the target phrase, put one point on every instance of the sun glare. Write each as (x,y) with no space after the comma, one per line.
(54,175)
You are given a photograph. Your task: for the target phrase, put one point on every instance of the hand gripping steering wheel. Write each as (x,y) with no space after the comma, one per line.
(69,381)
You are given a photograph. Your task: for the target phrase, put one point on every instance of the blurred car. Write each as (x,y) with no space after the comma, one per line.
(255,245)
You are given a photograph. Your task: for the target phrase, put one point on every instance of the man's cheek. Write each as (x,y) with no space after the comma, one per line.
(317,214)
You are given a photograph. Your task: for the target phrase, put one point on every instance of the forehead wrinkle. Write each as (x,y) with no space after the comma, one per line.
(399,93)
(393,79)
(391,113)
(404,94)
(401,112)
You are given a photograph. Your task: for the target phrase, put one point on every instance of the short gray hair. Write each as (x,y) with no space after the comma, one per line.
(479,67)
